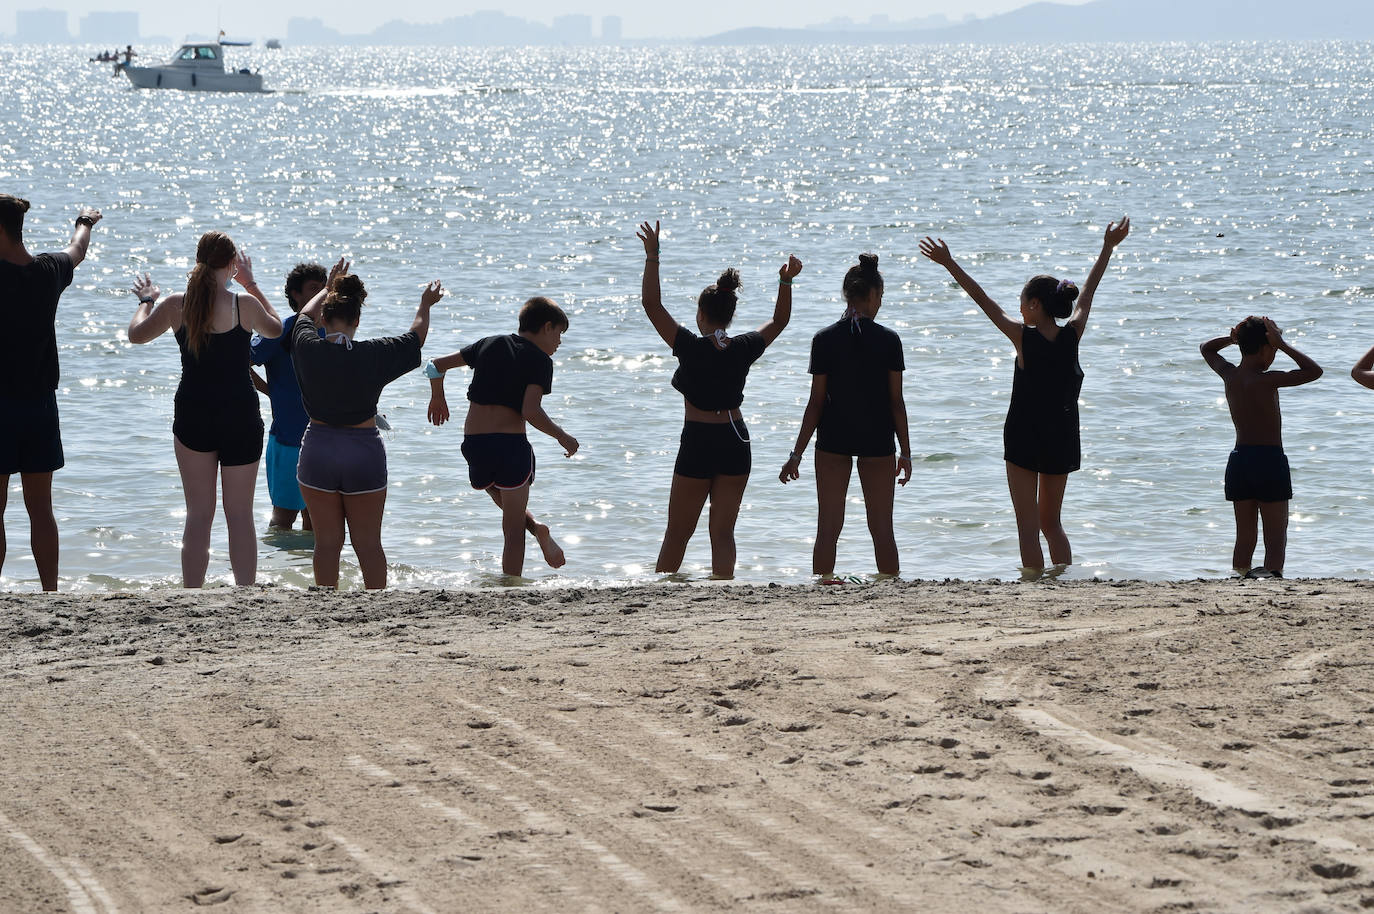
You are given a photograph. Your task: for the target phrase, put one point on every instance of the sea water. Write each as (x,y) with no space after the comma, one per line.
(1247,171)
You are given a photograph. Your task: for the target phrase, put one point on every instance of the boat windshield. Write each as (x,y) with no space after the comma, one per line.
(200,52)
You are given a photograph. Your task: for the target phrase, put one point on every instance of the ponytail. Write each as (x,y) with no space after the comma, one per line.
(214,252)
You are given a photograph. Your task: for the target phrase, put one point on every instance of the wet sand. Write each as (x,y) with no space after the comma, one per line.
(1090,747)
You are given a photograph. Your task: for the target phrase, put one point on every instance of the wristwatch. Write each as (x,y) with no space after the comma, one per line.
(83,219)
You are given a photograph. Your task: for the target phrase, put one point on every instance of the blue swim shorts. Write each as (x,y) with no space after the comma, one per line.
(282,486)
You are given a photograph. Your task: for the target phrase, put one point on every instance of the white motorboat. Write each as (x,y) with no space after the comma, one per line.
(197,67)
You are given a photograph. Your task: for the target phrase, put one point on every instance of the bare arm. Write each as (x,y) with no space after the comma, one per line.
(420,326)
(262,319)
(938,251)
(1363,372)
(259,384)
(651,295)
(1211,353)
(438,412)
(782,311)
(899,423)
(811,417)
(533,411)
(1307,370)
(152,318)
(1115,234)
(314,309)
(81,234)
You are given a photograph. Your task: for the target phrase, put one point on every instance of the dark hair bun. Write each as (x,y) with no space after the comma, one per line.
(1068,292)
(868,263)
(349,287)
(23,204)
(729,280)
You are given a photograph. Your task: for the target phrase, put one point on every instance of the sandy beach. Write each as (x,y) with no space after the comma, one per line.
(1194,746)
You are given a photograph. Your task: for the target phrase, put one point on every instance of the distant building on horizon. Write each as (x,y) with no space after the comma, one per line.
(575,28)
(116,28)
(41,27)
(612,29)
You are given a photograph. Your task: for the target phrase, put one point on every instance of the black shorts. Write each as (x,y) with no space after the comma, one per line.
(877,441)
(499,459)
(32,442)
(235,434)
(1258,472)
(710,449)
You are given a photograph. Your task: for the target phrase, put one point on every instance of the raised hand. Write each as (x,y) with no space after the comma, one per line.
(90,214)
(145,288)
(1275,335)
(649,235)
(339,269)
(788,271)
(433,292)
(438,412)
(937,251)
(1116,232)
(243,269)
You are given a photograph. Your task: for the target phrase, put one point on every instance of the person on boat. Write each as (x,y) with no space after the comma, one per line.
(31,445)
(216,424)
(129,54)
(714,457)
(342,471)
(289,419)
(1040,438)
(857,409)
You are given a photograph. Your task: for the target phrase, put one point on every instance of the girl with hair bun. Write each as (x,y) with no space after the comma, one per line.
(1040,437)
(216,423)
(857,410)
(342,468)
(713,459)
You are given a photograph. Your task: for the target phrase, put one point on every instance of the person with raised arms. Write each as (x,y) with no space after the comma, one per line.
(511,374)
(342,470)
(713,459)
(216,424)
(30,286)
(1040,437)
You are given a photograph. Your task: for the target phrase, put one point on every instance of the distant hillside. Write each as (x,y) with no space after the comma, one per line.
(1111,20)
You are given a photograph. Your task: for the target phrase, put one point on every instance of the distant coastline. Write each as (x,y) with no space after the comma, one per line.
(1037,23)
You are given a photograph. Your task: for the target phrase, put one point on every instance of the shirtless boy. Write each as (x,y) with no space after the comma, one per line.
(1257,478)
(510,376)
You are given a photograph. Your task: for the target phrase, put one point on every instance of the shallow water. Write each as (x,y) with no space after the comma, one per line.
(1246,170)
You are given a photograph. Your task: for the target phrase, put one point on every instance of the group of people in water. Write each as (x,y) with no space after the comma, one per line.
(326,461)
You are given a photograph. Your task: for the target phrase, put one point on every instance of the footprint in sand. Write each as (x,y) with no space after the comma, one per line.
(1335,870)
(210,895)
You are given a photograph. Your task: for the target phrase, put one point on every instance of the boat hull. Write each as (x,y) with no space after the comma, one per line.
(193,80)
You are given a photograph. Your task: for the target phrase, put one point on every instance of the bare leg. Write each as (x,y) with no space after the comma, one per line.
(1247,532)
(305,519)
(832,485)
(1051,502)
(878,479)
(553,553)
(42,526)
(514,522)
(1023,484)
(327,508)
(727,492)
(199,470)
(284,518)
(237,485)
(4,500)
(364,514)
(685,501)
(1274,514)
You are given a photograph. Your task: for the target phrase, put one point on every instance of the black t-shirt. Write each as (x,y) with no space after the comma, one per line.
(712,378)
(340,384)
(857,360)
(503,366)
(28,307)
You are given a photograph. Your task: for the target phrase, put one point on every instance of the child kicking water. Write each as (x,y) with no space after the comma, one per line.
(1257,477)
(510,376)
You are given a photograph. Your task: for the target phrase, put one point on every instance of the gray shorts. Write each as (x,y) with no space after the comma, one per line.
(350,461)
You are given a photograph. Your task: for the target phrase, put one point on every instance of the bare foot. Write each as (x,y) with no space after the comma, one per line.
(553,553)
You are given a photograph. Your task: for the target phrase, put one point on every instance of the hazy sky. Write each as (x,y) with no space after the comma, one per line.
(262,18)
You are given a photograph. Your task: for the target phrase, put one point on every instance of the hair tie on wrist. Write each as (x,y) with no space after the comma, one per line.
(784,282)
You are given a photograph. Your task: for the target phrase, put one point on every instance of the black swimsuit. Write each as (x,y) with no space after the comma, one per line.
(1041,432)
(216,407)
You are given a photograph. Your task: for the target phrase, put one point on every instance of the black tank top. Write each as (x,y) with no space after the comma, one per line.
(219,375)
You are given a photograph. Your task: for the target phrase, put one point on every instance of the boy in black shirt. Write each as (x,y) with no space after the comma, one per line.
(511,375)
(32,444)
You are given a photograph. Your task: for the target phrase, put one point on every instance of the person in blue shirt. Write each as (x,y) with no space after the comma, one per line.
(288,414)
